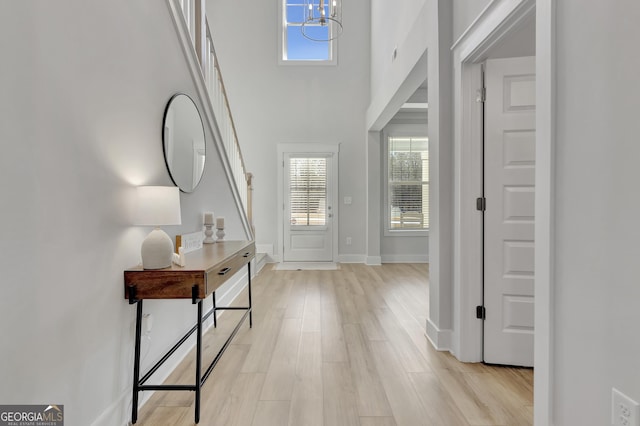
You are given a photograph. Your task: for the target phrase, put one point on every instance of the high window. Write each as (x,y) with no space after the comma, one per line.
(294,47)
(407,195)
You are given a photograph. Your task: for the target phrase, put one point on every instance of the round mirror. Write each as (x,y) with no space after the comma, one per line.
(183,141)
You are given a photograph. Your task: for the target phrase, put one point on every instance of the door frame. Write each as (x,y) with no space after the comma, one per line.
(495,22)
(301,149)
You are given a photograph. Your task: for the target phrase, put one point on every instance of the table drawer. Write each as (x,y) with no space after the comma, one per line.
(169,285)
(229,268)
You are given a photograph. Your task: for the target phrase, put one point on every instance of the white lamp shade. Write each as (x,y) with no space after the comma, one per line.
(158,205)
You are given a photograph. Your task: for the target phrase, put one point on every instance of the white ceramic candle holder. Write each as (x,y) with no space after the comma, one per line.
(208,239)
(220,234)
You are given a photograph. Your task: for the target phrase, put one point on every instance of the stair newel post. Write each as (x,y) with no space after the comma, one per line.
(250,201)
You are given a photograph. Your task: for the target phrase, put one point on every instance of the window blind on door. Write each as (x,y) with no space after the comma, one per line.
(308,191)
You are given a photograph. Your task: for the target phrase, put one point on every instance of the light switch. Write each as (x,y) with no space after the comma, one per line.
(348,200)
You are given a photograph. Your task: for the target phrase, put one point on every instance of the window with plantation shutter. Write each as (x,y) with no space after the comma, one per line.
(308,191)
(408,183)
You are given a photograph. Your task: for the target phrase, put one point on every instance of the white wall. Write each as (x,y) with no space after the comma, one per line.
(84,87)
(424,40)
(403,26)
(464,13)
(596,288)
(374,197)
(398,27)
(440,321)
(274,104)
(397,249)
(391,21)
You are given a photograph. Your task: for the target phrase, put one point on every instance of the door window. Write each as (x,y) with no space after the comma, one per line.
(308,191)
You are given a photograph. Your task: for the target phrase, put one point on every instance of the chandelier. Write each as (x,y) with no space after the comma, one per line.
(323,19)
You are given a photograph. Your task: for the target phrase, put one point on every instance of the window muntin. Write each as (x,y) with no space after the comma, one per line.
(407,184)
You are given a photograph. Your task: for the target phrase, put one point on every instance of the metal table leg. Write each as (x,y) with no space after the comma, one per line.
(249,286)
(198,362)
(136,363)
(215,314)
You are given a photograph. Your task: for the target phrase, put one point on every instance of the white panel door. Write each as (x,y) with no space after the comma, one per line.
(308,218)
(509,216)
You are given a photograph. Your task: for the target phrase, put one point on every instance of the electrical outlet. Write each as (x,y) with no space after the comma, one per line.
(348,241)
(624,410)
(147,323)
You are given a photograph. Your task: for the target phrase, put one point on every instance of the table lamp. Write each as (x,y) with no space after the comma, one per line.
(158,206)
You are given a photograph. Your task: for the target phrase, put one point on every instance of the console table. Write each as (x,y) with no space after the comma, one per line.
(206,270)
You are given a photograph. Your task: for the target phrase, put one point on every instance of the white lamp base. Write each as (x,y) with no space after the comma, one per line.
(157,250)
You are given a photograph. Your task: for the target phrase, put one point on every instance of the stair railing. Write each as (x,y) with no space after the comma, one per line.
(195,22)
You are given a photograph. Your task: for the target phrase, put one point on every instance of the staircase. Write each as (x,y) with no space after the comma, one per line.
(191,25)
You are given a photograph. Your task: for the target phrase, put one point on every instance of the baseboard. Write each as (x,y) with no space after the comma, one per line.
(351,258)
(373,260)
(119,410)
(342,258)
(258,263)
(122,406)
(265,248)
(440,339)
(405,258)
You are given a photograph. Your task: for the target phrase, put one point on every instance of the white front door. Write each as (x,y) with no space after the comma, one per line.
(509,217)
(308,210)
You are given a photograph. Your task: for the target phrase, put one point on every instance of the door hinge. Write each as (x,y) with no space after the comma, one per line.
(481,312)
(481,204)
(481,94)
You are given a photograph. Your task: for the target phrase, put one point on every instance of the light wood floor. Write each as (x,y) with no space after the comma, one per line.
(342,347)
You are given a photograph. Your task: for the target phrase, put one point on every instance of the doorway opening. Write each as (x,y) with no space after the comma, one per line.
(496,25)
